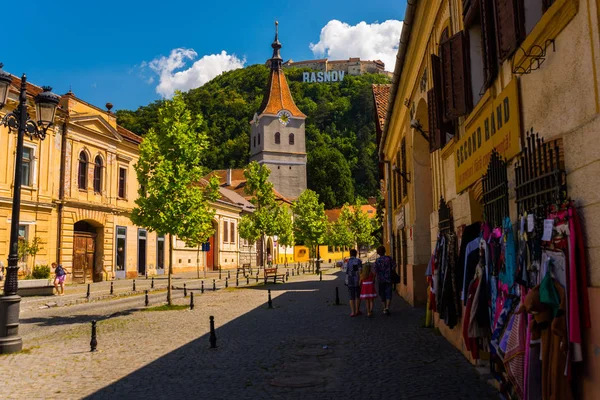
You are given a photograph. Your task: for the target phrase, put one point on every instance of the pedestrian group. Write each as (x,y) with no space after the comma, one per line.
(361,279)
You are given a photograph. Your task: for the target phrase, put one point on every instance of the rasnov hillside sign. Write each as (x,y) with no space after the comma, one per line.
(329,76)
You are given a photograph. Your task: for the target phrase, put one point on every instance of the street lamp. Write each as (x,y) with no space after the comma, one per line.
(19,120)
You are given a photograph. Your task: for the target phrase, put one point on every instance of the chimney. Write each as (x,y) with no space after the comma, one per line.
(228,183)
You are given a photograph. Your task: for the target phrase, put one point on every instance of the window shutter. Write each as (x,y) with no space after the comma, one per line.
(488,42)
(438,127)
(454,77)
(509,26)
(434,130)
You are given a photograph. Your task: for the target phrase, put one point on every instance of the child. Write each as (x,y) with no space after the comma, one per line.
(367,291)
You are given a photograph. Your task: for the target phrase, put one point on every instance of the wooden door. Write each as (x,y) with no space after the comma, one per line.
(210,254)
(84,249)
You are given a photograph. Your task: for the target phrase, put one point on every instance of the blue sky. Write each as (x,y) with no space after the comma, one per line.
(104,50)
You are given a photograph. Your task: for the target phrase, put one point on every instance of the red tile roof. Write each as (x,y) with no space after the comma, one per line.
(278,96)
(238,182)
(381,95)
(334,214)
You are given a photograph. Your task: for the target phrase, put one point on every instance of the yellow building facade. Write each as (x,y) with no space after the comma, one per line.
(477,75)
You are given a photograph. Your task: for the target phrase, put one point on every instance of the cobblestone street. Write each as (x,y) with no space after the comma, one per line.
(305,347)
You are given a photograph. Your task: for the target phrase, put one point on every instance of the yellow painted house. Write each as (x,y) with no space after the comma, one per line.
(476,75)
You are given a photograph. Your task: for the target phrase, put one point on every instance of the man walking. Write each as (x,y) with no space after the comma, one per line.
(353,268)
(383,268)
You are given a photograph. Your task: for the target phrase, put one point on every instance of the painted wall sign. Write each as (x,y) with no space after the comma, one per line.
(329,76)
(496,126)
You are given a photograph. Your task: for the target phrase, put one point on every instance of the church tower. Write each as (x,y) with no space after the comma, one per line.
(278,138)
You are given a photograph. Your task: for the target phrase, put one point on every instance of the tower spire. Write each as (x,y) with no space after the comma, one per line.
(276,59)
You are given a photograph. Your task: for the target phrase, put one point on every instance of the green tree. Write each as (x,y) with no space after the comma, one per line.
(329,175)
(310,222)
(30,248)
(285,227)
(339,234)
(264,220)
(361,225)
(170,198)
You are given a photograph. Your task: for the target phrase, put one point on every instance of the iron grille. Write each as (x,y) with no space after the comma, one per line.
(495,190)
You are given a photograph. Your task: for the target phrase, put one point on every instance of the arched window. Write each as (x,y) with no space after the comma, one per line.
(277,138)
(291,138)
(98,174)
(82,170)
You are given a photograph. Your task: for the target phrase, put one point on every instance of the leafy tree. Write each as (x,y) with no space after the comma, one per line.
(285,226)
(339,234)
(171,200)
(310,222)
(30,248)
(329,175)
(339,116)
(264,220)
(361,225)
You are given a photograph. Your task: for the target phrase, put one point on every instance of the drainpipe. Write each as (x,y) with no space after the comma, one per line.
(388,166)
(402,48)
(61,190)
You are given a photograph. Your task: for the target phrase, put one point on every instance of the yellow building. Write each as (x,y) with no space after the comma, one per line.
(79,187)
(476,75)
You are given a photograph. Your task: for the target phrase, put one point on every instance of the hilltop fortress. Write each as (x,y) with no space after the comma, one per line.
(351,66)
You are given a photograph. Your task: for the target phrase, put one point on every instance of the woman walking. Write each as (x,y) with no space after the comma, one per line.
(383,267)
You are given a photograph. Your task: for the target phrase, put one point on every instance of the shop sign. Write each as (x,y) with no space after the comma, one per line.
(496,126)
(400,219)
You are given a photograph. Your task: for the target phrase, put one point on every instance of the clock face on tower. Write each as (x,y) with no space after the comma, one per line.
(284,117)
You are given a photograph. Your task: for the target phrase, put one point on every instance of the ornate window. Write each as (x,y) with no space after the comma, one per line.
(291,138)
(277,138)
(98,174)
(82,171)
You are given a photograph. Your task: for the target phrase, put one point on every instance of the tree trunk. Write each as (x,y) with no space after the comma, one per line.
(169,302)
(263,251)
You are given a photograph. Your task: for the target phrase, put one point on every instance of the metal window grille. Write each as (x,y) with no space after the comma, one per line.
(495,190)
(540,175)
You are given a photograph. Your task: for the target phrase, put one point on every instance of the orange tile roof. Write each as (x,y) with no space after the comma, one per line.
(127,134)
(381,95)
(238,182)
(278,96)
(334,214)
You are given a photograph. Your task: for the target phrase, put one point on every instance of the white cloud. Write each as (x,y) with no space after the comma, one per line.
(173,74)
(339,41)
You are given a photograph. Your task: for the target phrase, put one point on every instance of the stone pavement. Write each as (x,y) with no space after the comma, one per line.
(305,346)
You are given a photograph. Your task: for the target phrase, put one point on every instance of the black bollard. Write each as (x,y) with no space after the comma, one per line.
(213,337)
(94,341)
(184,290)
(257,277)
(228,274)
(337,296)
(202,287)
(270,301)
(287,276)
(191,300)
(152,283)
(134,285)
(247,280)
(147,302)
(111,288)
(237,282)
(88,292)
(214,285)
(292,272)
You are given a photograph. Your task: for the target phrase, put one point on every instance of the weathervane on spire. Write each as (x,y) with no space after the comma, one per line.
(276,59)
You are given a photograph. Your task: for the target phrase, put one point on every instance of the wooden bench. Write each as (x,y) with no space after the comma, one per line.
(272,273)
(245,268)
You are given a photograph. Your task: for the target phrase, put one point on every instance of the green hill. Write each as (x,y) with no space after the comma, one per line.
(340,129)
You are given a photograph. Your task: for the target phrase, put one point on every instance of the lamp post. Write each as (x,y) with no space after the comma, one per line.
(19,120)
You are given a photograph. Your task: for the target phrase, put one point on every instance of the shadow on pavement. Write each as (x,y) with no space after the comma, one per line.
(304,347)
(74,319)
